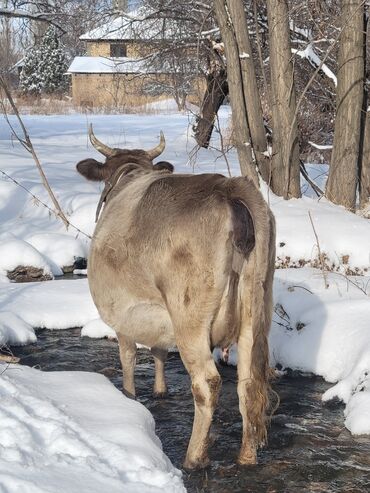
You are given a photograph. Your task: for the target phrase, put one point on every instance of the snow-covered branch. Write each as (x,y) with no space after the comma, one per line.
(321,147)
(310,55)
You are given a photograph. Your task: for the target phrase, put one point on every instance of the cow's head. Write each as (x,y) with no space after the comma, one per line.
(115,158)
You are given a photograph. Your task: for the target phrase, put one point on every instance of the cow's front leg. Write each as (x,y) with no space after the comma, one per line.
(160,356)
(127,351)
(205,386)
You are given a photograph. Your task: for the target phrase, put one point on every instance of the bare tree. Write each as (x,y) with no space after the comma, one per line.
(343,174)
(241,130)
(285,148)
(250,88)
(9,53)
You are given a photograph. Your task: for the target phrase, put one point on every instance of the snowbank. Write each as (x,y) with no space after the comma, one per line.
(15,252)
(75,432)
(344,238)
(97,329)
(52,305)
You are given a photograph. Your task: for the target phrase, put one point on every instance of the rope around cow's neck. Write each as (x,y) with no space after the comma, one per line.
(109,185)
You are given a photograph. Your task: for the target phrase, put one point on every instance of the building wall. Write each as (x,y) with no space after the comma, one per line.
(98,49)
(122,90)
(134,49)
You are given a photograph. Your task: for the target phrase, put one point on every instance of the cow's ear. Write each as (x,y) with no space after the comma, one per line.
(164,165)
(91,169)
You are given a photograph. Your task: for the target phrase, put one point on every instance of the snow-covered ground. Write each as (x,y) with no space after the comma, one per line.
(316,329)
(74,432)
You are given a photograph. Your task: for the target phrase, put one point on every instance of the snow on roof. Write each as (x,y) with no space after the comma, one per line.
(103,65)
(136,26)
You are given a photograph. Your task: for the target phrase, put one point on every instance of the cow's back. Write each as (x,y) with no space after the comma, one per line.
(165,242)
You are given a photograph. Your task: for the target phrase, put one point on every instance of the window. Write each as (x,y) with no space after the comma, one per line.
(118,50)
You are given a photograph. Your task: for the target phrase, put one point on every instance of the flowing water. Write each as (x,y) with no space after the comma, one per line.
(309,449)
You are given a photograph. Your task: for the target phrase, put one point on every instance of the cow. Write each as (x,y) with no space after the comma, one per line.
(185,260)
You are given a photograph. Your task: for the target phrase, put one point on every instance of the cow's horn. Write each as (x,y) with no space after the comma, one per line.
(157,150)
(99,146)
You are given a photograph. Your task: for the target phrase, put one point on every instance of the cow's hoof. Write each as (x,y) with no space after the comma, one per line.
(160,395)
(194,464)
(247,458)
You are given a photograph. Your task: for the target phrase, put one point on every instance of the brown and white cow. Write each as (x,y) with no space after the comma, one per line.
(188,260)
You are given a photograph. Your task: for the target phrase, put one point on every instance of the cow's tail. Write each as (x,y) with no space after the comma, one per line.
(264,229)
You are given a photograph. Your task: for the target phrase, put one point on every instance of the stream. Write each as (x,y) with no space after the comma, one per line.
(309,448)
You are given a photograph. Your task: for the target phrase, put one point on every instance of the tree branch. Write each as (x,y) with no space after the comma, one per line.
(39,16)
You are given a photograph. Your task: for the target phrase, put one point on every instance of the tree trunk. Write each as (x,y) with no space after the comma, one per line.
(343,172)
(364,162)
(365,167)
(237,97)
(285,149)
(217,90)
(250,88)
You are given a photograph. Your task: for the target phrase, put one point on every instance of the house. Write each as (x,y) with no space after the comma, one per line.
(118,70)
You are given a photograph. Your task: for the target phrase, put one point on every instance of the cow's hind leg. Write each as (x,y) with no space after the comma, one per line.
(127,351)
(247,453)
(160,356)
(205,385)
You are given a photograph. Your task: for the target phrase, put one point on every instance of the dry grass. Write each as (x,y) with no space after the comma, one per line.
(63,105)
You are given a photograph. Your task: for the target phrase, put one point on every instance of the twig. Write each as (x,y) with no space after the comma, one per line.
(363,290)
(37,16)
(314,187)
(223,146)
(301,287)
(321,259)
(27,144)
(7,356)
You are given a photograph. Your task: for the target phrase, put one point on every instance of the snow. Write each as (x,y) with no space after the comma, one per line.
(57,248)
(52,304)
(118,28)
(321,147)
(103,65)
(344,237)
(136,25)
(97,329)
(75,432)
(14,330)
